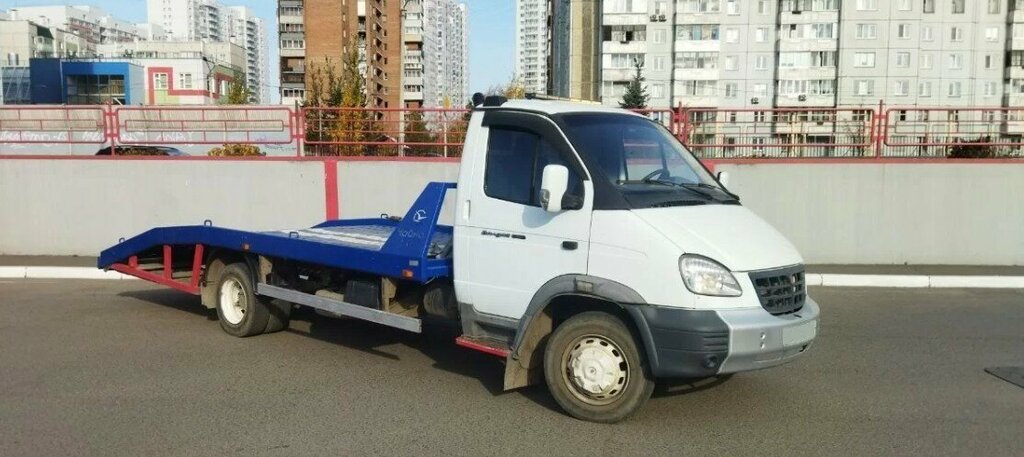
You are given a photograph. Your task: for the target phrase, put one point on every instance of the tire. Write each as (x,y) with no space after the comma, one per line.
(241,312)
(592,343)
(280,315)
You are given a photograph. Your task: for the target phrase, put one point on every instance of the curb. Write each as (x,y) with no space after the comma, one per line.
(813,279)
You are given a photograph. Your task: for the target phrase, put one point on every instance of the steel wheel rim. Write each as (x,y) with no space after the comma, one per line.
(595,370)
(232,301)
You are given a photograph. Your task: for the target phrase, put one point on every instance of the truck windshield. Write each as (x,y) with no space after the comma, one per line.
(643,160)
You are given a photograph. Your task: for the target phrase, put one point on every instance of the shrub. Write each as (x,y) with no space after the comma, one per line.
(972,149)
(236,150)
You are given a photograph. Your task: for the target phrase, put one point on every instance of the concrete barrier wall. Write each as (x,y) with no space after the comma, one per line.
(79,207)
(841,212)
(896,213)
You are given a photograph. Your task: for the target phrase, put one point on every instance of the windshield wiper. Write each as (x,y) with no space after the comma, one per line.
(665,182)
(694,186)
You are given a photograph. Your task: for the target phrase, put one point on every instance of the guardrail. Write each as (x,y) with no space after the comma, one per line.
(711,133)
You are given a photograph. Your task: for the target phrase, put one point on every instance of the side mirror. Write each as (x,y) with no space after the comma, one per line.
(554,184)
(723,179)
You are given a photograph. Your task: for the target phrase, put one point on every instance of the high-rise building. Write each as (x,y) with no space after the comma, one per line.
(574,63)
(91,24)
(211,21)
(248,31)
(315,33)
(532,44)
(814,53)
(435,57)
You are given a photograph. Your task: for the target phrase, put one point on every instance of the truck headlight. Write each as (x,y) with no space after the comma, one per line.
(704,276)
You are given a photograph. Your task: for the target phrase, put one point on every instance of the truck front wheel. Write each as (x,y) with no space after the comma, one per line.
(595,370)
(241,312)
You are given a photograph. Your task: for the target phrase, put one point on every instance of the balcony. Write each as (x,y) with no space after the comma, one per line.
(808,44)
(698,45)
(619,47)
(293,52)
(805,100)
(807,73)
(1015,72)
(809,17)
(698,74)
(1017,16)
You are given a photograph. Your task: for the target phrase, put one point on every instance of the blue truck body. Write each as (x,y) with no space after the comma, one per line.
(414,248)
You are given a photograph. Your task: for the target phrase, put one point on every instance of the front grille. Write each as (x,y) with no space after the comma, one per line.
(781,291)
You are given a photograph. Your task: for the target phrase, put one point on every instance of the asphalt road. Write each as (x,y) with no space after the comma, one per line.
(123,368)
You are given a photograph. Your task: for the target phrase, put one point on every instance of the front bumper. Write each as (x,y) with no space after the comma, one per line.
(686,343)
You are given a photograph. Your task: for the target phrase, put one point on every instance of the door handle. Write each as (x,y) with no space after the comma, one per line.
(570,245)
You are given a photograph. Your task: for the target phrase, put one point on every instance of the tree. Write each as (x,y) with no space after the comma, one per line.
(416,131)
(340,116)
(238,94)
(636,96)
(513,90)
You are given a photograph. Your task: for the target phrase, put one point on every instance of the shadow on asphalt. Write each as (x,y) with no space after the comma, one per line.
(436,342)
(172,299)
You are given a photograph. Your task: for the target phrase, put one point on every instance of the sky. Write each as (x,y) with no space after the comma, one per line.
(491,32)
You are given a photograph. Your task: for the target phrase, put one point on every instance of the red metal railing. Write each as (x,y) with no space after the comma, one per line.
(780,132)
(53,125)
(719,133)
(421,132)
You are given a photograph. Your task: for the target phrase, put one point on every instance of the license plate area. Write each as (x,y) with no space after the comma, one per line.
(799,334)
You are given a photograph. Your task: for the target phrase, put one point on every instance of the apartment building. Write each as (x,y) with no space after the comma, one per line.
(445,51)
(319,32)
(211,21)
(813,53)
(532,44)
(91,24)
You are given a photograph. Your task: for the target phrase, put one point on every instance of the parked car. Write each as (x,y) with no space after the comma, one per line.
(133,150)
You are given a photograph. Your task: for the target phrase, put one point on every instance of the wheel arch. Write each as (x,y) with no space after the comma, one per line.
(556,301)
(216,260)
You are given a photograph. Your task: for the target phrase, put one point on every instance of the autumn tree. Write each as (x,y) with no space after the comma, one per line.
(238,94)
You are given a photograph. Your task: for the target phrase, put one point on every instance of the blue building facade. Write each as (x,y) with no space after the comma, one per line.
(70,82)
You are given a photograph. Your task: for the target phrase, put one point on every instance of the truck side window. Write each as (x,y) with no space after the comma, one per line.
(515,164)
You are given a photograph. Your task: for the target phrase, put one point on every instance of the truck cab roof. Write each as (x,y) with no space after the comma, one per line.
(551,107)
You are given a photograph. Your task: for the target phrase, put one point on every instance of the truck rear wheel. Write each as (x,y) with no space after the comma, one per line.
(595,370)
(242,313)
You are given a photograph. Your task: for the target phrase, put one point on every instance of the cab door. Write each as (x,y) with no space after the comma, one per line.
(507,246)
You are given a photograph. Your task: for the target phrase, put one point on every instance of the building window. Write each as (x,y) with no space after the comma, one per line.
(732,35)
(955,89)
(864,59)
(924,89)
(763,7)
(990,89)
(697,32)
(956,61)
(95,89)
(992,34)
(926,61)
(761,62)
(903,31)
(731,63)
(732,7)
(761,34)
(903,5)
(901,88)
(699,88)
(903,59)
(989,61)
(620,61)
(993,7)
(958,6)
(185,81)
(696,60)
(658,63)
(864,87)
(761,89)
(699,6)
(160,81)
(731,90)
(956,34)
(929,6)
(867,5)
(866,31)
(926,33)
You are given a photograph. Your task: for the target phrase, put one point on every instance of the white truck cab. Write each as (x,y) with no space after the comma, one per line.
(603,255)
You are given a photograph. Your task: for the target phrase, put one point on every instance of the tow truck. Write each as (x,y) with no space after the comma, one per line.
(590,251)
